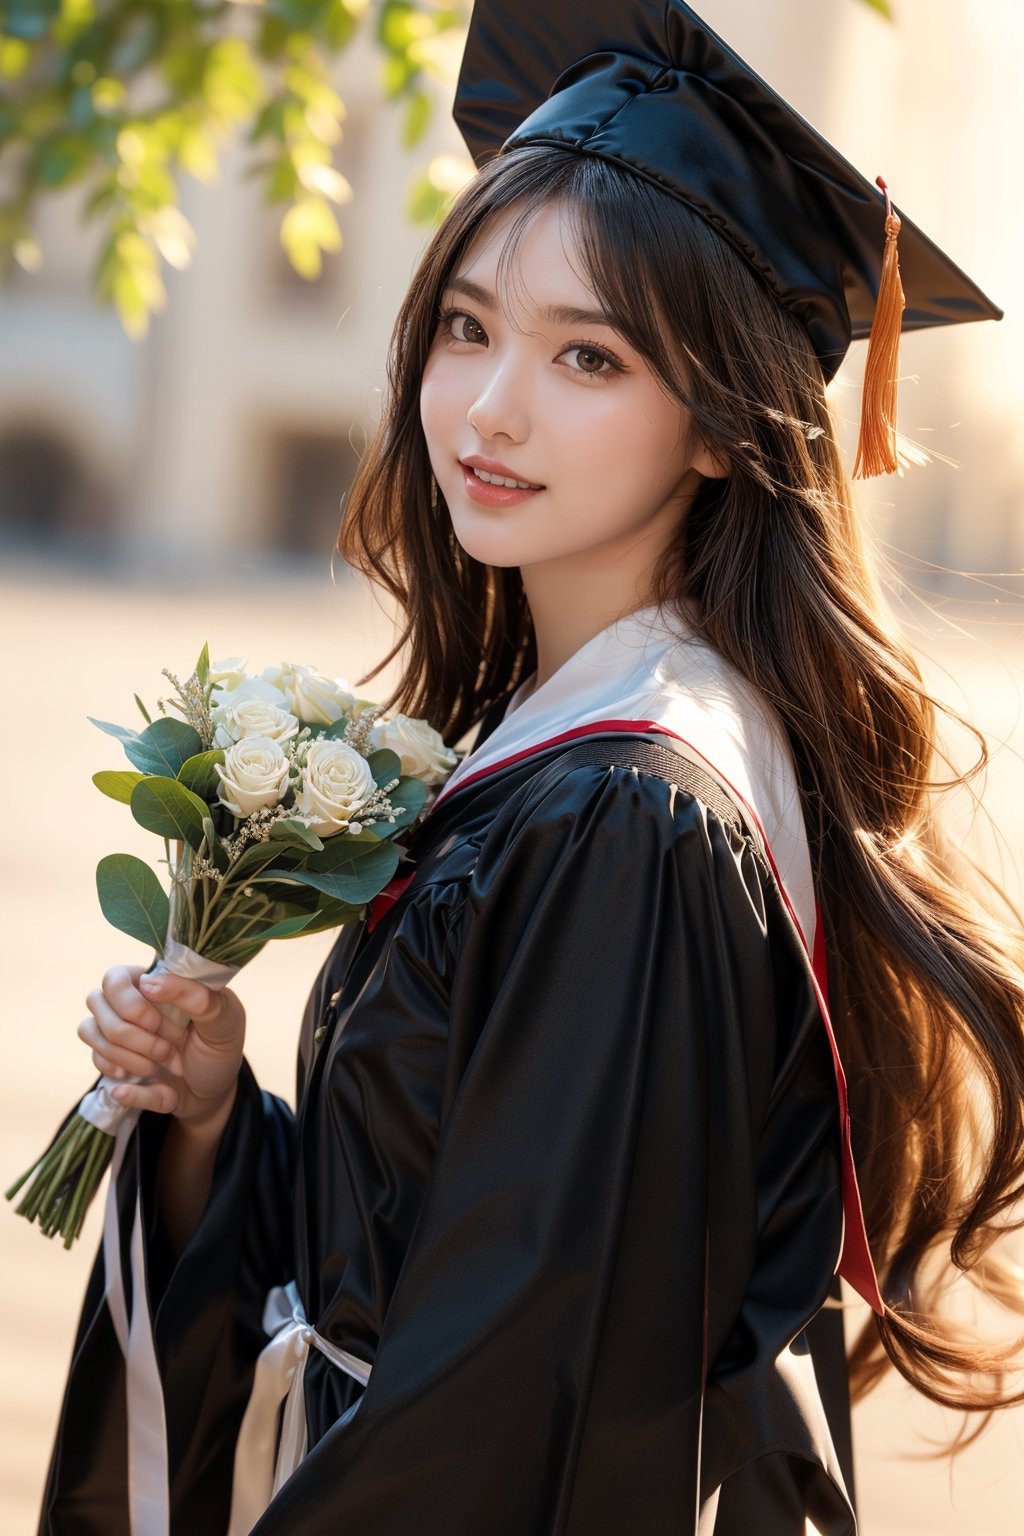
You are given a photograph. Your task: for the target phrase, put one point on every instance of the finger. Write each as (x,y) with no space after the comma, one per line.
(107,1030)
(160,1097)
(110,1068)
(119,988)
(202,1005)
(121,1062)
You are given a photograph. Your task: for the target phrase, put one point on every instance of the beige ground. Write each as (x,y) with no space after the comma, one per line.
(74,648)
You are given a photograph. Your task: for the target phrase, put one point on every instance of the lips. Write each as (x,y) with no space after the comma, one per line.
(494,492)
(493,472)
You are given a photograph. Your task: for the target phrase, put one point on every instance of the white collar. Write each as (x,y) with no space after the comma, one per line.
(650,671)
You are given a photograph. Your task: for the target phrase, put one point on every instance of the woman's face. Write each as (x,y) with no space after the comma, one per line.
(527,381)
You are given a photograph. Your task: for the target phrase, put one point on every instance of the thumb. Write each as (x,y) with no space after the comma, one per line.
(191,1000)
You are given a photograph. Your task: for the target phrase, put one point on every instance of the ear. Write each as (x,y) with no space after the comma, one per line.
(707,463)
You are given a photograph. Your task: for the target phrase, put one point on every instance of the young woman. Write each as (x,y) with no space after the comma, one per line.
(571,1173)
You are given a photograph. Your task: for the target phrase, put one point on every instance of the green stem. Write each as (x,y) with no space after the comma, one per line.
(250,919)
(58,1142)
(65,1179)
(100,1153)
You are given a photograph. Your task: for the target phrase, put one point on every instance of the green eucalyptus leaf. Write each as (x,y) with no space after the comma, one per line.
(132,899)
(117,785)
(356,883)
(407,801)
(199,774)
(166,807)
(332,914)
(258,857)
(335,731)
(385,765)
(119,731)
(288,928)
(295,834)
(340,850)
(163,747)
(143,711)
(203,666)
(290,900)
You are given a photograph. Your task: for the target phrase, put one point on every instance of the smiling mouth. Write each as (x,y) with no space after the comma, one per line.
(504,480)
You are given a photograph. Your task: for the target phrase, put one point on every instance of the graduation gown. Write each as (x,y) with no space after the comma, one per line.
(566,1172)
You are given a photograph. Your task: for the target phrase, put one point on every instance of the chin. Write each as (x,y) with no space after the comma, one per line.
(492,545)
(486,552)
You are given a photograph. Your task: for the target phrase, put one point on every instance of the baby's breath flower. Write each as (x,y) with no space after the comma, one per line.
(205,869)
(357,732)
(191,699)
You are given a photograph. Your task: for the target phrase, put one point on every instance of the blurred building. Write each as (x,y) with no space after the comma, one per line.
(232,431)
(230,434)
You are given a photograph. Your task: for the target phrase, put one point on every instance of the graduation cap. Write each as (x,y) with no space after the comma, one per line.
(645,85)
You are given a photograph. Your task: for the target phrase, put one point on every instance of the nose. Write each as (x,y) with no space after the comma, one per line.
(499,409)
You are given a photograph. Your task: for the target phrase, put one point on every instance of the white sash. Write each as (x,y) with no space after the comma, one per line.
(148,1497)
(280,1370)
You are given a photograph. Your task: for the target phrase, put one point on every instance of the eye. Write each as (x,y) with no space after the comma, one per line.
(462,327)
(592,361)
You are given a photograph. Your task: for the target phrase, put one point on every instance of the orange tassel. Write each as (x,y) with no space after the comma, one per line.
(877,452)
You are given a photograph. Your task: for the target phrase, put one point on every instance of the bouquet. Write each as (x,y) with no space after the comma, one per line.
(278,798)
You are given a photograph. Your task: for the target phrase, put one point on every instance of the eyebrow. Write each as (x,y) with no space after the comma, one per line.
(554,314)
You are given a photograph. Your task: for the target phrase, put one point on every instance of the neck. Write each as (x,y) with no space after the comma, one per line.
(564,620)
(571,603)
(573,598)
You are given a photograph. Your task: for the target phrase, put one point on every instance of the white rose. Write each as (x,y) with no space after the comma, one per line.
(235,719)
(227,674)
(254,774)
(336,785)
(248,688)
(316,699)
(421,748)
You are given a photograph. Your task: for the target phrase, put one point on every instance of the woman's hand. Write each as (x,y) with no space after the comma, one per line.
(193,1066)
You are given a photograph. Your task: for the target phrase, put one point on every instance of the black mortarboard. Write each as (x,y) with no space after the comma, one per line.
(646,85)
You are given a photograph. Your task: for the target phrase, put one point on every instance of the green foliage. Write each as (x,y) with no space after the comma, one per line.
(170,810)
(295,834)
(426,201)
(202,667)
(356,881)
(126,96)
(132,899)
(199,773)
(163,747)
(407,801)
(117,786)
(385,765)
(328,914)
(120,732)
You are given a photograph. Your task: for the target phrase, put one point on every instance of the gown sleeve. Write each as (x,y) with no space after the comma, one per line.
(206,1309)
(634,1208)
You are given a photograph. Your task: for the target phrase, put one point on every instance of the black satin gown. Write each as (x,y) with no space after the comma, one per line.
(566,1150)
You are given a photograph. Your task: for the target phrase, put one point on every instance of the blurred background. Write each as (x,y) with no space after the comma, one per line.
(177,476)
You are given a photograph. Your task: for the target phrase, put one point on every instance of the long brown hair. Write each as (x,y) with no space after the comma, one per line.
(927,989)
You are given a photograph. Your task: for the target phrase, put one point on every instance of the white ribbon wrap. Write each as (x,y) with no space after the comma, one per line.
(148,1498)
(280,1371)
